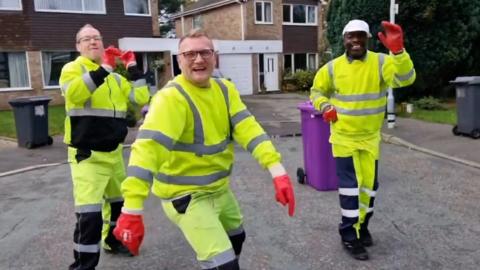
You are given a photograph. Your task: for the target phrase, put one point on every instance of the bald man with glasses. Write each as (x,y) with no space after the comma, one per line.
(95,126)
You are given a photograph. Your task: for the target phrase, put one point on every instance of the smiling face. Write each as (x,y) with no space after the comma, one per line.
(355,44)
(90,44)
(197,60)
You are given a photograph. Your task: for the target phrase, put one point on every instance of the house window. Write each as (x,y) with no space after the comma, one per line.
(13,70)
(299,14)
(137,7)
(197,22)
(71,6)
(52,64)
(10,5)
(263,12)
(299,61)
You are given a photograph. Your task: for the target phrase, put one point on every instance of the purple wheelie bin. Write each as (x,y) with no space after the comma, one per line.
(320,171)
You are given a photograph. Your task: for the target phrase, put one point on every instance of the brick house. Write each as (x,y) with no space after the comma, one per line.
(37,37)
(298,24)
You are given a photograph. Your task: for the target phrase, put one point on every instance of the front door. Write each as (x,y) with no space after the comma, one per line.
(270,71)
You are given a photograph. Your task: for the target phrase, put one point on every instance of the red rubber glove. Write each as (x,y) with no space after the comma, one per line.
(128,59)
(329,114)
(393,37)
(284,192)
(130,231)
(108,58)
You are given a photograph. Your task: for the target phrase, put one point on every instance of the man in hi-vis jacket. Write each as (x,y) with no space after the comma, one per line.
(184,153)
(95,126)
(351,92)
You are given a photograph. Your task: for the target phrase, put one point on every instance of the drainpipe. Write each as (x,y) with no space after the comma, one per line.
(182,20)
(242,20)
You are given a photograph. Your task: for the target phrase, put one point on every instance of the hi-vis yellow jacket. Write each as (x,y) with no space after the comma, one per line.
(358,89)
(186,141)
(96,113)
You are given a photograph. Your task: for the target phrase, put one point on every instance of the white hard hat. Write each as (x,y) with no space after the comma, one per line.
(357,25)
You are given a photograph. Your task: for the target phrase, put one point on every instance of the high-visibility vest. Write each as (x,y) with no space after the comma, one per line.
(95,117)
(185,143)
(358,89)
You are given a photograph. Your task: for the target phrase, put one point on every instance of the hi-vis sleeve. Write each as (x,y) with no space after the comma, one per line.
(248,133)
(322,87)
(162,127)
(136,91)
(76,85)
(398,70)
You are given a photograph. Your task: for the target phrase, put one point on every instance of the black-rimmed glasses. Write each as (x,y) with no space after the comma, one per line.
(192,55)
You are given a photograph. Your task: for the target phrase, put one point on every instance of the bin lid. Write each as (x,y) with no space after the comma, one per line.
(27,100)
(307,106)
(475,81)
(465,79)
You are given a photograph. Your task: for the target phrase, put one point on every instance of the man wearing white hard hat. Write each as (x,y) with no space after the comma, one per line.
(351,91)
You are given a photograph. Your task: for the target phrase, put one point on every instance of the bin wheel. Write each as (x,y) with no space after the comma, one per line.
(29,145)
(455,131)
(475,133)
(301,176)
(49,140)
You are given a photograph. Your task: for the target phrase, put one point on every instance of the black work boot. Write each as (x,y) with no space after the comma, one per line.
(356,249)
(115,247)
(366,238)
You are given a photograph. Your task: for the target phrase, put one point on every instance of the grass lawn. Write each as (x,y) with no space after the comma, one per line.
(56,116)
(448,116)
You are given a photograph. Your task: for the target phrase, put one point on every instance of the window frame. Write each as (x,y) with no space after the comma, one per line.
(137,14)
(199,21)
(25,88)
(263,2)
(307,7)
(19,8)
(45,86)
(307,61)
(104,12)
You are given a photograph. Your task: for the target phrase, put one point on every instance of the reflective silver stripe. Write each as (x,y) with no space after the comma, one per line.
(106,222)
(256,141)
(64,87)
(141,173)
(114,200)
(381,60)
(157,136)
(361,112)
(323,105)
(201,149)
(139,83)
(363,97)
(192,180)
(241,115)
(198,126)
(218,260)
(96,112)
(118,79)
(330,72)
(367,209)
(131,96)
(405,77)
(348,191)
(370,192)
(87,79)
(236,231)
(86,248)
(88,208)
(350,213)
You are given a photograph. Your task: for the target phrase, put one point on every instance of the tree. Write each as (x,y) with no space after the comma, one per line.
(439,35)
(165,9)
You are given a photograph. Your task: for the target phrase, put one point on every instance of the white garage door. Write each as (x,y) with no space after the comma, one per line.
(238,67)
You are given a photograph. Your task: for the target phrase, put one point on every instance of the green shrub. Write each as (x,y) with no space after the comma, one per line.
(304,79)
(429,103)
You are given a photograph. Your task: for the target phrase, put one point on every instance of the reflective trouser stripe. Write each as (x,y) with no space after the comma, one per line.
(356,203)
(86,238)
(222,258)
